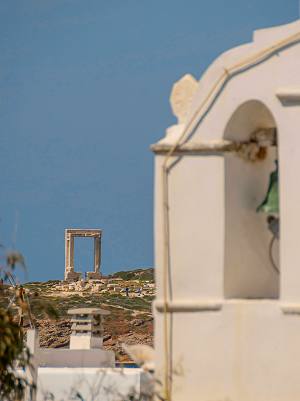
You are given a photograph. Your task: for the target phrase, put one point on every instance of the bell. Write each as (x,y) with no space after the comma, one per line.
(270,204)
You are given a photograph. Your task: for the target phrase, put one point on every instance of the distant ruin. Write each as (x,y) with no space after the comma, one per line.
(70,234)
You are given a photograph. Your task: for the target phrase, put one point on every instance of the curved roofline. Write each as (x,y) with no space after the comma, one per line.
(262,39)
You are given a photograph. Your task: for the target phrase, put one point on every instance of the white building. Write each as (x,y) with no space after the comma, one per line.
(85,371)
(227,324)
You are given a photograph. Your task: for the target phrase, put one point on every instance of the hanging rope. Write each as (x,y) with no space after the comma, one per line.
(204,106)
(271,255)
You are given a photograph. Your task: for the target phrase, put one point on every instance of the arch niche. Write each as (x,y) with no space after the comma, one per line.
(248,271)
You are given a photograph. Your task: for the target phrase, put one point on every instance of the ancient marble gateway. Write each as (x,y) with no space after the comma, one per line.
(70,234)
(227,310)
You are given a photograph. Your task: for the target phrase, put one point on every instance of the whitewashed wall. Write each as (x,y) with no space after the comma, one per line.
(235,324)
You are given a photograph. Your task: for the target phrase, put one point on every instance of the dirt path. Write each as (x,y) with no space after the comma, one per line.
(134,312)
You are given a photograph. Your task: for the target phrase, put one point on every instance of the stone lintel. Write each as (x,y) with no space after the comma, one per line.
(78,232)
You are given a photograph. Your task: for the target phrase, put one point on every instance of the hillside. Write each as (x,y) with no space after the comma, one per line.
(130,320)
(138,274)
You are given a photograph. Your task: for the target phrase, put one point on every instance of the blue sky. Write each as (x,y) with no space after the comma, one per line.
(84,89)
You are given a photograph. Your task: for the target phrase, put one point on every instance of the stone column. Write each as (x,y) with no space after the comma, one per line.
(69,257)
(71,252)
(67,252)
(97,254)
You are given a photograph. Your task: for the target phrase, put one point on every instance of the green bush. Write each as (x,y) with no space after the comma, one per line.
(12,354)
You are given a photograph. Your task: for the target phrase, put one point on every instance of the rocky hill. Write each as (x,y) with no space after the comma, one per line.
(140,274)
(130,320)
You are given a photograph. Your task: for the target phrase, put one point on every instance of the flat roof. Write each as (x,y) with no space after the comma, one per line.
(88,311)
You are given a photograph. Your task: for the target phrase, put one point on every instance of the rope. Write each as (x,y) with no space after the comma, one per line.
(209,99)
(271,255)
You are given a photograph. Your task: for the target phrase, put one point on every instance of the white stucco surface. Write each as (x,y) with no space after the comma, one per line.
(91,384)
(234,328)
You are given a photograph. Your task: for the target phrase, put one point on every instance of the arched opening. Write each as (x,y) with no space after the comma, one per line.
(248,268)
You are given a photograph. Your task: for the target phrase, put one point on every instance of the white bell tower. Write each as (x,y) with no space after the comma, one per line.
(227,322)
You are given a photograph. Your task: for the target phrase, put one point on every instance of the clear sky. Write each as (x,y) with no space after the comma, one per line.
(84,89)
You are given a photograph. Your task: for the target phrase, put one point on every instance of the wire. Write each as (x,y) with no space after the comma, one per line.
(271,255)
(204,106)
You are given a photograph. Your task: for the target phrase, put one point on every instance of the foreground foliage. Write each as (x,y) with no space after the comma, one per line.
(12,355)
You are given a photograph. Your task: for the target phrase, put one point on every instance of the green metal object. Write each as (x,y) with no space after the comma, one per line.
(271,203)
